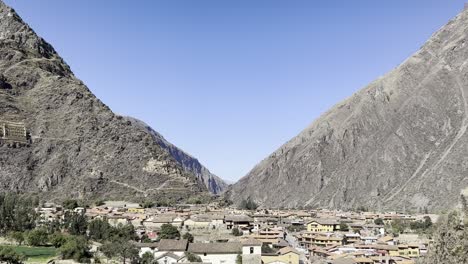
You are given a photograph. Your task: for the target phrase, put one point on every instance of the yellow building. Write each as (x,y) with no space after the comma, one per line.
(323,225)
(285,255)
(410,251)
(323,241)
(136,210)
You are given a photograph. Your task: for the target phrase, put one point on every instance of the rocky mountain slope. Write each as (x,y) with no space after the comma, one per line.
(400,143)
(214,184)
(77,147)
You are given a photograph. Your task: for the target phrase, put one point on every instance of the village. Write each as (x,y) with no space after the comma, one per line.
(229,235)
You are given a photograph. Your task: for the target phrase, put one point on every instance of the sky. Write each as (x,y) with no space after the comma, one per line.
(231,81)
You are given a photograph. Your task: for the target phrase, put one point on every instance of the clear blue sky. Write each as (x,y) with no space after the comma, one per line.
(230,81)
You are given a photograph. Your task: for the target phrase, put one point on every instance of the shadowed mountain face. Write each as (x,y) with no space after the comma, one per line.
(214,184)
(76,146)
(399,143)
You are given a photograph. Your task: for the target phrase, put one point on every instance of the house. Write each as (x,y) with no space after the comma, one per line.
(197,222)
(116,220)
(136,210)
(285,255)
(169,258)
(157,222)
(251,251)
(323,225)
(217,253)
(147,247)
(239,221)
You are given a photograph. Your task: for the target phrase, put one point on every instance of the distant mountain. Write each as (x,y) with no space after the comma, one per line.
(214,184)
(58,140)
(400,143)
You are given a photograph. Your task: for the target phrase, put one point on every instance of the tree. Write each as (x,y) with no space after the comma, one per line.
(147,258)
(37,237)
(169,231)
(192,257)
(267,249)
(189,237)
(450,237)
(76,223)
(344,226)
(379,221)
(239,259)
(17,236)
(99,230)
(248,205)
(16,213)
(120,248)
(76,248)
(236,232)
(70,204)
(57,239)
(10,256)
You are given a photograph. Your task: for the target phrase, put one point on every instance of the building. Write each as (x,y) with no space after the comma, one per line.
(323,225)
(285,255)
(217,253)
(251,251)
(13,132)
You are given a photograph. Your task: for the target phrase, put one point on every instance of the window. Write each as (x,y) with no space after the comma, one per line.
(204,254)
(251,250)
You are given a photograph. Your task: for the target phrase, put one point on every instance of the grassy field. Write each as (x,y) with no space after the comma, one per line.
(37,254)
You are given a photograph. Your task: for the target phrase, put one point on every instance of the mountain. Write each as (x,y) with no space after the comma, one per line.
(399,143)
(59,141)
(214,184)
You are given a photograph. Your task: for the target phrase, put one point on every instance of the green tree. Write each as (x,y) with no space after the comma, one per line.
(37,237)
(70,204)
(379,221)
(75,223)
(109,249)
(192,257)
(147,258)
(344,227)
(169,231)
(76,248)
(267,249)
(16,213)
(10,256)
(188,236)
(248,205)
(236,232)
(99,230)
(57,239)
(239,259)
(17,236)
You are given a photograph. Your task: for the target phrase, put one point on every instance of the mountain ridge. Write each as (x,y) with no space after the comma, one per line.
(76,146)
(384,147)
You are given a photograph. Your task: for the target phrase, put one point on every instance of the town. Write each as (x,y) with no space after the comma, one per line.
(209,233)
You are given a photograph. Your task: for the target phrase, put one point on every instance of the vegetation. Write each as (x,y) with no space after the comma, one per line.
(192,257)
(76,248)
(37,237)
(70,204)
(147,258)
(296,228)
(379,221)
(36,254)
(450,240)
(344,226)
(267,249)
(10,256)
(169,231)
(239,259)
(248,205)
(188,236)
(17,213)
(17,237)
(124,250)
(236,232)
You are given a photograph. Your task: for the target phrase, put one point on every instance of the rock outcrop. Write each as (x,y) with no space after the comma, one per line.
(76,146)
(215,184)
(400,143)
